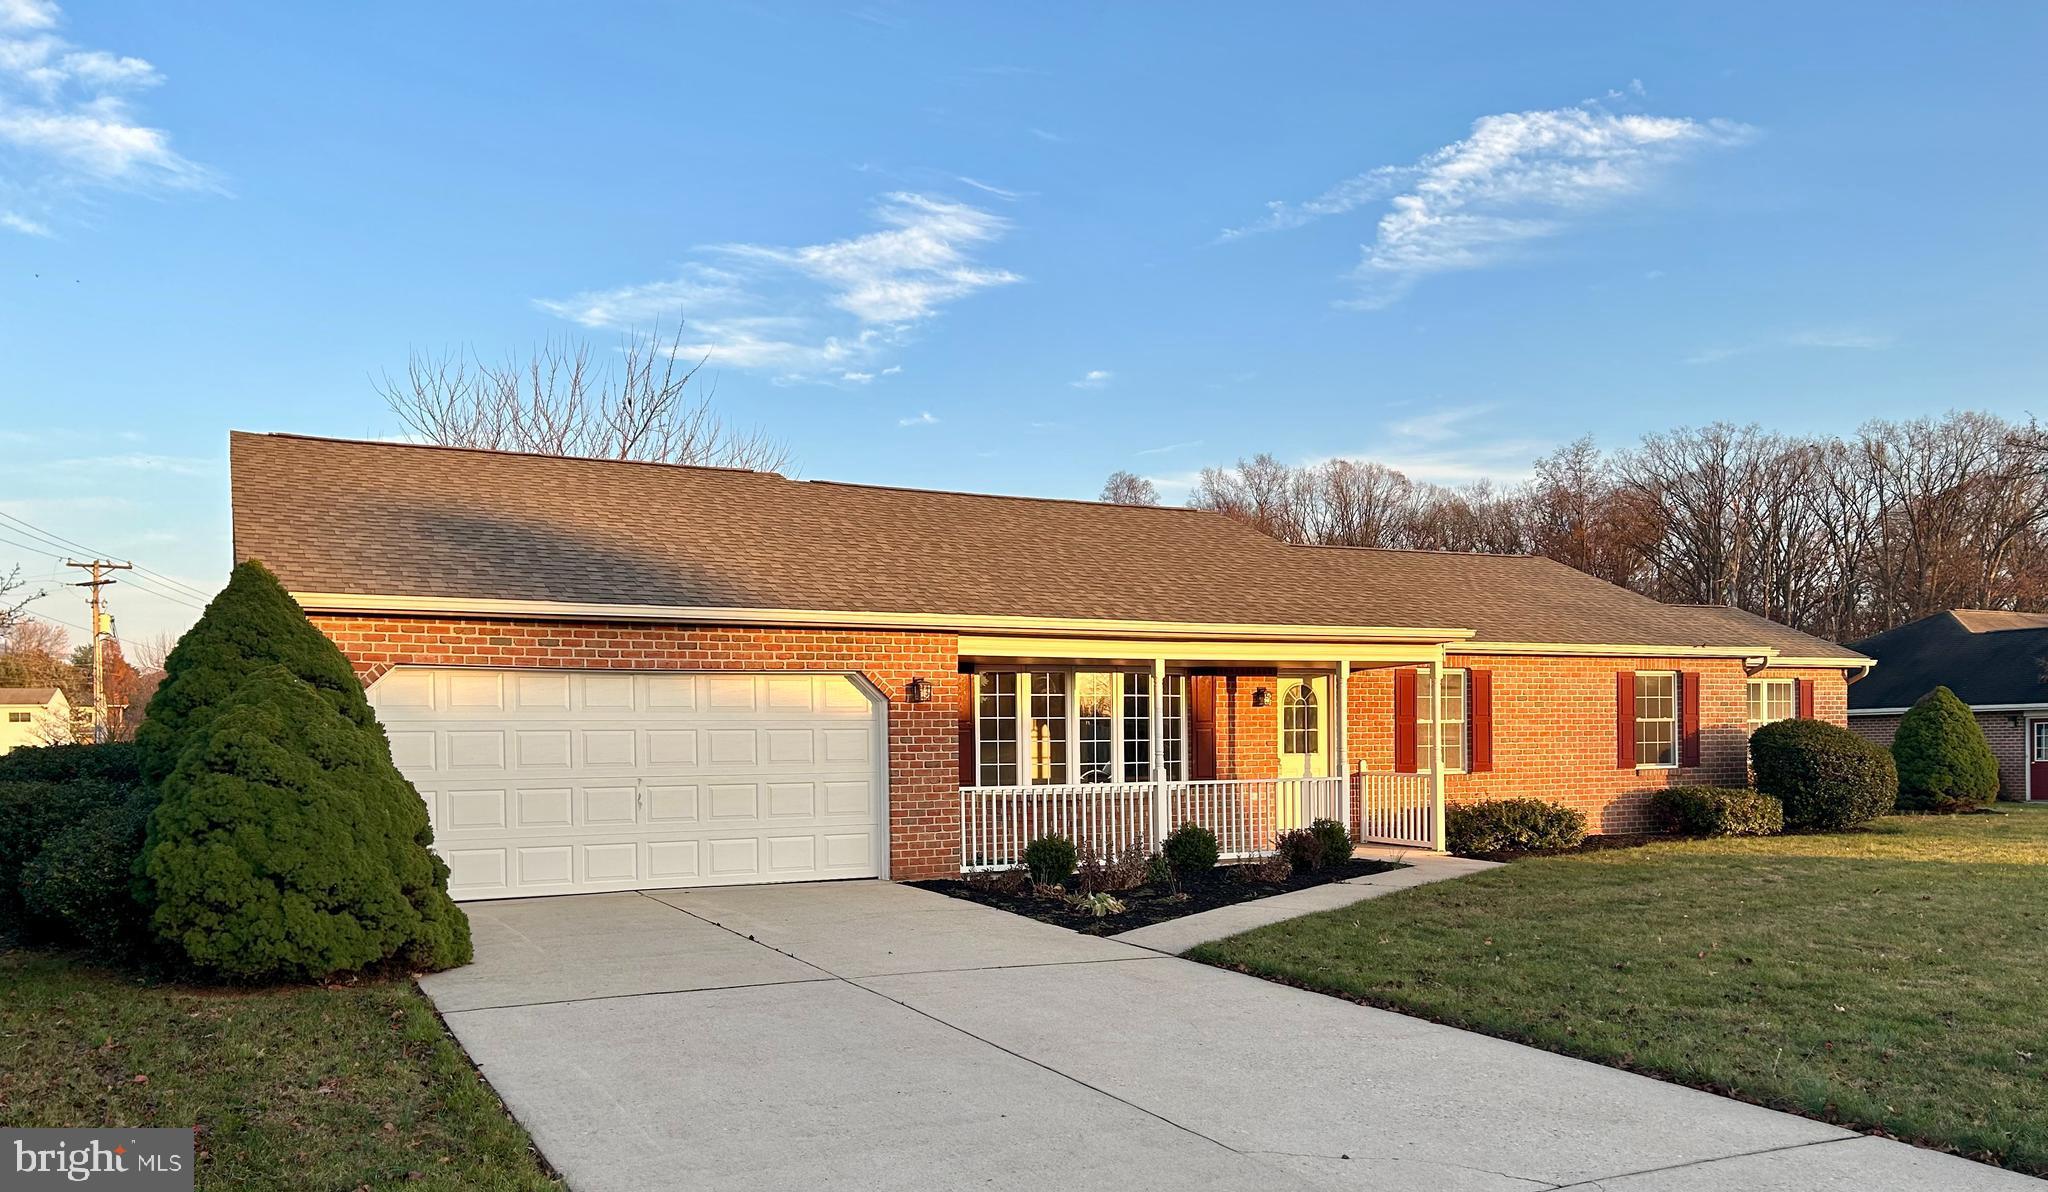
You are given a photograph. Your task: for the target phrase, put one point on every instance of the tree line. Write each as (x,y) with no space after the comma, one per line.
(1840,536)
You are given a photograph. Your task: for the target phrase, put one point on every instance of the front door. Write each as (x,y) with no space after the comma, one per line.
(1304,726)
(2037,760)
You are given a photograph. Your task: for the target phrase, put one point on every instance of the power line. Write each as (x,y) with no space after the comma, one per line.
(140,585)
(73,544)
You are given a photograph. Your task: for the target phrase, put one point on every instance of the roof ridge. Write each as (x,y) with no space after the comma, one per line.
(1083,501)
(1415,550)
(455,447)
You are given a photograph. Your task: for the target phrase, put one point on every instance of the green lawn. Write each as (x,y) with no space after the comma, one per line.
(340,1088)
(1893,980)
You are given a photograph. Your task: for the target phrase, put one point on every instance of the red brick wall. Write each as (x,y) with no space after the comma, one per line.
(924,769)
(2007,732)
(1553,731)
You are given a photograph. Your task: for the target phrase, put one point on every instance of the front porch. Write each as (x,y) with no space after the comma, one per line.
(1245,739)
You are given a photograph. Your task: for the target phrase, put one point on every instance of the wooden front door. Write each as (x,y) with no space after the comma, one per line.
(2037,760)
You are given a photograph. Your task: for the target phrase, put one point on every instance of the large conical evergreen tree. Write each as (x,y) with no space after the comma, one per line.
(1945,762)
(252,623)
(287,843)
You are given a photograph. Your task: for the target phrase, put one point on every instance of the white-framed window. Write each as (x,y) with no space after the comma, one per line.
(1772,700)
(1656,719)
(1301,719)
(1451,714)
(1080,726)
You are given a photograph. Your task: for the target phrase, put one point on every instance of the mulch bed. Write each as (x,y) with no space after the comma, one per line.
(1145,905)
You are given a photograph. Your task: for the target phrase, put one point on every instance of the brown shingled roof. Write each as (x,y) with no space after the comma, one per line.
(27,695)
(389,519)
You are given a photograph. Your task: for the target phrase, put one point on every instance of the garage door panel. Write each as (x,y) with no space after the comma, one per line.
(644,779)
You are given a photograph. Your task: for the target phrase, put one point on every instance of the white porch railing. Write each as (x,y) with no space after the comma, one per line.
(1397,809)
(996,822)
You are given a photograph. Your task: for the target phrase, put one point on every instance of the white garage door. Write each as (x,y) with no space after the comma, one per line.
(561,782)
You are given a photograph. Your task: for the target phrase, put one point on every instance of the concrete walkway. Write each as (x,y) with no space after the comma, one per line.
(1176,936)
(865,1035)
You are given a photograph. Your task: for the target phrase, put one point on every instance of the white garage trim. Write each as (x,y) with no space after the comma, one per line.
(549,780)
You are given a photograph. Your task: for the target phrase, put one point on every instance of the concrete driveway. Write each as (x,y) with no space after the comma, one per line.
(869,1035)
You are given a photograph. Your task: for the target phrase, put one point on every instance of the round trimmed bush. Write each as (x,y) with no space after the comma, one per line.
(32,814)
(1301,848)
(1827,777)
(1944,761)
(1512,826)
(80,888)
(1336,841)
(251,624)
(287,847)
(1050,859)
(1191,850)
(1720,811)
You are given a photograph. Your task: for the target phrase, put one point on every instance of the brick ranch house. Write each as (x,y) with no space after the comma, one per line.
(1992,660)
(608,675)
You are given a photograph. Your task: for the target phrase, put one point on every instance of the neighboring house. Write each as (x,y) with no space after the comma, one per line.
(604,675)
(33,716)
(1993,662)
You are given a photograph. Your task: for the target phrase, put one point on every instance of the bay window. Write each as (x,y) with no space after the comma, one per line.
(1083,726)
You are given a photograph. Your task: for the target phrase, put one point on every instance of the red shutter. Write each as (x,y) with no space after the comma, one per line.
(1481,715)
(1404,721)
(1201,711)
(1625,720)
(1689,719)
(969,774)
(1803,706)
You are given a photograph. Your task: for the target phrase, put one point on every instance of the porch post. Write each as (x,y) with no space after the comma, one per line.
(1157,707)
(1340,738)
(1436,750)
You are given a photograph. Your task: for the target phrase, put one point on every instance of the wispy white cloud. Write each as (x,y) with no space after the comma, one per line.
(1094,378)
(1519,177)
(921,418)
(1170,448)
(1826,339)
(1438,425)
(818,311)
(65,112)
(990,188)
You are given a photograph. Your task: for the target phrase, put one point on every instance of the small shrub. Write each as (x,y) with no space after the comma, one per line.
(1302,849)
(998,881)
(1269,868)
(1827,777)
(118,762)
(80,888)
(1191,850)
(1100,903)
(1512,826)
(1159,872)
(1943,759)
(1050,859)
(1720,811)
(1097,872)
(1336,839)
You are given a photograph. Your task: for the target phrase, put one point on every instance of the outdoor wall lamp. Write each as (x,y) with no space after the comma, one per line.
(1261,697)
(918,690)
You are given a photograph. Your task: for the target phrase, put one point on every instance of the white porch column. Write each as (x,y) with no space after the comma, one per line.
(1436,749)
(1156,706)
(1340,739)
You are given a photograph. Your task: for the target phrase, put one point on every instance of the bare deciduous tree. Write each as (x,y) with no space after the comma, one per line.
(1840,536)
(13,609)
(1129,488)
(557,401)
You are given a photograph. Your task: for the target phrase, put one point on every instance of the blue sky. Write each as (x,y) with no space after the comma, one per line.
(1008,250)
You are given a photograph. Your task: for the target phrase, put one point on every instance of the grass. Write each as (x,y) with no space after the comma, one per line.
(339,1087)
(1890,980)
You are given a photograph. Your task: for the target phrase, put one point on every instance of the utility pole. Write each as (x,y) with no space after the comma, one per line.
(102,628)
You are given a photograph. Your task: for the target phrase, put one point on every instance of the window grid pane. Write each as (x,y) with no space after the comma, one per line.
(1048,727)
(1300,720)
(1137,727)
(1095,709)
(1656,720)
(1171,709)
(996,713)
